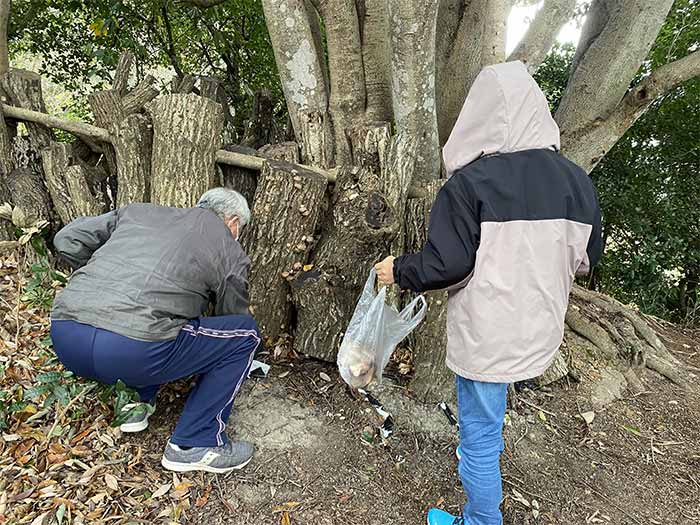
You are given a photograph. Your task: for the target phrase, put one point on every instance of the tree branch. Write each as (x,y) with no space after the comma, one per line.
(589,144)
(616,39)
(538,40)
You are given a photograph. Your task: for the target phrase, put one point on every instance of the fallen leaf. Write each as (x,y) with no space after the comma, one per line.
(325,377)
(162,490)
(111,482)
(201,500)
(308,267)
(285,520)
(588,417)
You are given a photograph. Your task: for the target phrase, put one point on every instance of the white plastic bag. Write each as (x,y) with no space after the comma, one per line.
(373,333)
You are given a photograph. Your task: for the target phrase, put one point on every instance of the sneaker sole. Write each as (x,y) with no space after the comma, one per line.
(134,427)
(189,467)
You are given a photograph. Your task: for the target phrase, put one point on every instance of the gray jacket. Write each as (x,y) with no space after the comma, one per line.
(143,270)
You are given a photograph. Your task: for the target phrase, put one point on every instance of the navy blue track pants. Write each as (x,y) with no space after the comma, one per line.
(219,349)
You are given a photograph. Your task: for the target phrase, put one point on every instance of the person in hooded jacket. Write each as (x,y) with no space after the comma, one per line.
(509,230)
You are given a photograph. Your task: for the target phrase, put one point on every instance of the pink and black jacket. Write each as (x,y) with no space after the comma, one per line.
(508,231)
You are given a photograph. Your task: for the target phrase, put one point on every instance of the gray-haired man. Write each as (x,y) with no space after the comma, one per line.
(132,311)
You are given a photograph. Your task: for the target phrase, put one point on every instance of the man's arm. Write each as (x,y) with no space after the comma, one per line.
(77,241)
(232,297)
(450,252)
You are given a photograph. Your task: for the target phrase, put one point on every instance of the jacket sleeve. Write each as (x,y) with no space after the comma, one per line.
(77,241)
(450,252)
(594,250)
(232,297)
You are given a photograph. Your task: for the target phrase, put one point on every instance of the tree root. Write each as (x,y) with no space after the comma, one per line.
(619,332)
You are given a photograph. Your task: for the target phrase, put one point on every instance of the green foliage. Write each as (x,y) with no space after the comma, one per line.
(39,292)
(648,184)
(79,42)
(123,396)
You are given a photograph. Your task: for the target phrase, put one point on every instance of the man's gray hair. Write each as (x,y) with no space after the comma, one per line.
(226,203)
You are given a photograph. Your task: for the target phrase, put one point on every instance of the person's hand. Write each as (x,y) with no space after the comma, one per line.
(385,270)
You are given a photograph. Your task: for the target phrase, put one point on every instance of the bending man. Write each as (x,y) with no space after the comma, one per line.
(132,311)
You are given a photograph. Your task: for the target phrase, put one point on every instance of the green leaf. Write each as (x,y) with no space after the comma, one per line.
(36,391)
(49,377)
(633,430)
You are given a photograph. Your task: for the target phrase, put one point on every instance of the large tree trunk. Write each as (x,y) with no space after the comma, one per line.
(186,135)
(431,379)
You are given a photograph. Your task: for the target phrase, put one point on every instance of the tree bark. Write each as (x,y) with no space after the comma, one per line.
(5,8)
(287,206)
(471,36)
(347,82)
(243,180)
(141,95)
(24,91)
(133,146)
(376,59)
(75,189)
(186,135)
(301,71)
(28,194)
(432,381)
(284,151)
(121,74)
(617,38)
(358,230)
(413,79)
(260,128)
(589,144)
(541,34)
(6,233)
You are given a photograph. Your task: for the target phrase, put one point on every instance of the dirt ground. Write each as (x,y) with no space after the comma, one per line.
(319,460)
(636,463)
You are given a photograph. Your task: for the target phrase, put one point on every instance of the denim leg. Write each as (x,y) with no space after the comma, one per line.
(482,408)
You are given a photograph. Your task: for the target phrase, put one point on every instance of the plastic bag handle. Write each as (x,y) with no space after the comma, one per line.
(418,317)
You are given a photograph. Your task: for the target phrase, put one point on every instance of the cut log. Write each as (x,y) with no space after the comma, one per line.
(24,90)
(121,74)
(317,145)
(142,94)
(133,140)
(243,180)
(279,238)
(370,144)
(183,85)
(360,227)
(107,107)
(432,381)
(28,194)
(6,233)
(186,135)
(75,189)
(284,151)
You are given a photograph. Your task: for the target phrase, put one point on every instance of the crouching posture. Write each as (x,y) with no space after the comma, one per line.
(132,311)
(508,231)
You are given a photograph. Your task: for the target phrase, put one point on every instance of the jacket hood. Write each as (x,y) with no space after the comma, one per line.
(505,111)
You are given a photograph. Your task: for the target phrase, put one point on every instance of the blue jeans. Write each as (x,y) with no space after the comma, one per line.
(482,408)
(219,349)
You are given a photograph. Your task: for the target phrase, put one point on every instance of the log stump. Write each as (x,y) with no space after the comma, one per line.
(186,134)
(279,238)
(243,180)
(133,141)
(360,227)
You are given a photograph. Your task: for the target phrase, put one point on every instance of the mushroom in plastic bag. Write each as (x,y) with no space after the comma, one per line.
(373,333)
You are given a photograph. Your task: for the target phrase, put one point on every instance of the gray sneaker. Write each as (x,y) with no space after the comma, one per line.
(139,419)
(232,456)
